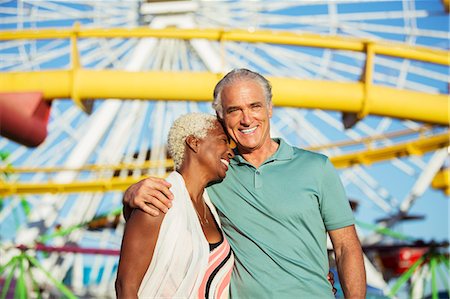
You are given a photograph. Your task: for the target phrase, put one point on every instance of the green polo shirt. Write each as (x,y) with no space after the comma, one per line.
(276,218)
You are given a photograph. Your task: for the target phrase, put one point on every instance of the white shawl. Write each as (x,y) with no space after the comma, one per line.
(182,251)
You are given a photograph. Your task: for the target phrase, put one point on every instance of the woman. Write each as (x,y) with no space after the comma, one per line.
(182,254)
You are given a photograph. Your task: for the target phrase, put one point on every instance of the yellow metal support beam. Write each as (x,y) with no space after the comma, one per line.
(442,181)
(416,147)
(256,36)
(104,185)
(198,86)
(90,167)
(367,141)
(367,80)
(76,65)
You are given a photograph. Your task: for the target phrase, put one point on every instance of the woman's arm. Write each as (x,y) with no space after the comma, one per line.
(138,244)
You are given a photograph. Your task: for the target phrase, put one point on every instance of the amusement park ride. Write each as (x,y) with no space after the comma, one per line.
(88,90)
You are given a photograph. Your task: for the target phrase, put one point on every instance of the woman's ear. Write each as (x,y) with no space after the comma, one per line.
(192,143)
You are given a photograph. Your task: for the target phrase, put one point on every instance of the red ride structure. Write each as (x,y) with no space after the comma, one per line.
(398,260)
(24,117)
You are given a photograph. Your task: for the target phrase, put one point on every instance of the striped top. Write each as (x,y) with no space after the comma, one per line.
(216,282)
(183,262)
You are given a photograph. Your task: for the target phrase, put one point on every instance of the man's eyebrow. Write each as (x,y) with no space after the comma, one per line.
(256,102)
(232,107)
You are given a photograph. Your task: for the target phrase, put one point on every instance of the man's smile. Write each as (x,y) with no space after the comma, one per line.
(248,131)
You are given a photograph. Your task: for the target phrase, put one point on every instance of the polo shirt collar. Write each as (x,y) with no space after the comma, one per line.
(284,152)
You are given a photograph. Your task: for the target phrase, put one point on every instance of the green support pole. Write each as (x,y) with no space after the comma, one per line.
(61,287)
(25,206)
(434,289)
(21,287)
(405,276)
(13,263)
(384,231)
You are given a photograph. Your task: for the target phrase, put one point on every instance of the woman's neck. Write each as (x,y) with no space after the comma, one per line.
(194,180)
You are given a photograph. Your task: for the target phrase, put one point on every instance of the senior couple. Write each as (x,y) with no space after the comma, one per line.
(251,223)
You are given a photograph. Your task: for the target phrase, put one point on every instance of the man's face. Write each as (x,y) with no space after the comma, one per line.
(246,115)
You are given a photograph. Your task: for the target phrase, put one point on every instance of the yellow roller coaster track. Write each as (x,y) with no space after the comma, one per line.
(256,36)
(367,157)
(361,98)
(442,181)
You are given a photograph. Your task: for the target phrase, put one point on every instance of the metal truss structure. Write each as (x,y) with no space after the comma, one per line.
(364,82)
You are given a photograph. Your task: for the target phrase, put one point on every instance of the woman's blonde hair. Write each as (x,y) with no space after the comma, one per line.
(195,124)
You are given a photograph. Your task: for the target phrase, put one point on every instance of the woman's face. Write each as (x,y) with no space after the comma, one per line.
(215,153)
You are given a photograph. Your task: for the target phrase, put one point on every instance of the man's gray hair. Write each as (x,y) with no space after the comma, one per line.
(195,124)
(240,75)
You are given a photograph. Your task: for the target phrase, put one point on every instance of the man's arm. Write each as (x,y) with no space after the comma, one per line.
(349,261)
(151,195)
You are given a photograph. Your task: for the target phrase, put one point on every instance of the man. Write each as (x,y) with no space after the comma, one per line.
(276,204)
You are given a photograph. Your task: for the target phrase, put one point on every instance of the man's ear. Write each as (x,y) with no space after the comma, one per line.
(192,143)
(270,109)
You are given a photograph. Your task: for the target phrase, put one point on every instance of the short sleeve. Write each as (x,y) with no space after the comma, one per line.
(334,205)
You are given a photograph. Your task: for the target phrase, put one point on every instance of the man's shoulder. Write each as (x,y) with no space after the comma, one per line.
(300,153)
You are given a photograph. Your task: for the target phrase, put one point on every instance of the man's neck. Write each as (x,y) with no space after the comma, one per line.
(258,156)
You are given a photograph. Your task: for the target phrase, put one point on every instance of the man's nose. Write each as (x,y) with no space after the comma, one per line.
(246,117)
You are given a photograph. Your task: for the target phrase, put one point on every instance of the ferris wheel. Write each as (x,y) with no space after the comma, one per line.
(95,86)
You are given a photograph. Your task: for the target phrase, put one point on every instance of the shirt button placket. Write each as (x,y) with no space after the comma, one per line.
(258,180)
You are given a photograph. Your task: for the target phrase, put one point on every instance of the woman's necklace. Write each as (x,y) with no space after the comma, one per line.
(203,220)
